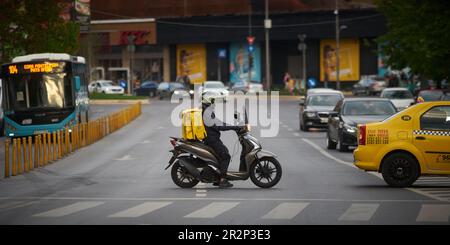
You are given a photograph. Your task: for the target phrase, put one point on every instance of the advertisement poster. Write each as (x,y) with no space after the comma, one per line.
(83,13)
(191,61)
(348,59)
(239,63)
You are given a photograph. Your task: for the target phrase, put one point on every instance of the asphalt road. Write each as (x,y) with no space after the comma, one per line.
(121,180)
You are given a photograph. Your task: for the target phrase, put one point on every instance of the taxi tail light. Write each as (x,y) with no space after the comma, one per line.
(362,135)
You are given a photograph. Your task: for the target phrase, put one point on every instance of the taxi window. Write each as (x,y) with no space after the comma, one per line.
(437,118)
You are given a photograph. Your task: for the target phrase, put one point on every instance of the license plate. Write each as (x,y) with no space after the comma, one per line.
(40,132)
(323,120)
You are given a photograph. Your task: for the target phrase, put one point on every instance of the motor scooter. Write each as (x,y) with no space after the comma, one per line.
(193,161)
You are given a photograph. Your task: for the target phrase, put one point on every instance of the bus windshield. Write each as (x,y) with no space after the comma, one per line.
(36,91)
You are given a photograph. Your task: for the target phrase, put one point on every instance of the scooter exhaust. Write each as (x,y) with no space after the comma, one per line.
(190,167)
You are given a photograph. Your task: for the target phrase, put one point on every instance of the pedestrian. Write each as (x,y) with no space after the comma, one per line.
(291,86)
(286,79)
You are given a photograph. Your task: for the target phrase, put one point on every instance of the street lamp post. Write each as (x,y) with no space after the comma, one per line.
(302,47)
(336,12)
(267,26)
(131,49)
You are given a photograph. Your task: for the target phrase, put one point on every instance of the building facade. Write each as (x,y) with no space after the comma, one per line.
(185,40)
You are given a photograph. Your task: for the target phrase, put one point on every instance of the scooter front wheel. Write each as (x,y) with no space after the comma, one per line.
(265,172)
(181,177)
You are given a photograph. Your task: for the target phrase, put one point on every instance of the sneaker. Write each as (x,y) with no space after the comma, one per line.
(224,183)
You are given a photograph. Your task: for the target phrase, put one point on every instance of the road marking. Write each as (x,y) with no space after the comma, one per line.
(9,204)
(140,210)
(297,134)
(200,195)
(285,211)
(212,210)
(125,158)
(70,209)
(434,213)
(360,212)
(223,199)
(323,152)
(201,191)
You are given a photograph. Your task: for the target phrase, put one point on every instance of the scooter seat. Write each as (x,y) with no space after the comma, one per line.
(202,145)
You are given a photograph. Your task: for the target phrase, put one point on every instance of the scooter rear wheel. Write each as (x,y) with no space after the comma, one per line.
(181,177)
(265,172)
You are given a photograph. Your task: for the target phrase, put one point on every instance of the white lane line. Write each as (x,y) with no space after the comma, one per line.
(212,210)
(200,195)
(70,209)
(201,191)
(140,210)
(285,211)
(9,204)
(125,158)
(225,199)
(296,134)
(360,212)
(323,152)
(434,213)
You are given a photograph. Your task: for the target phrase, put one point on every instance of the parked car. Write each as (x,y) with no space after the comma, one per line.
(368,86)
(215,86)
(400,97)
(166,89)
(147,88)
(315,110)
(445,96)
(348,113)
(246,87)
(430,95)
(105,87)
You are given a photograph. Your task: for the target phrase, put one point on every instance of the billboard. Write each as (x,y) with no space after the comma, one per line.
(239,62)
(83,13)
(191,61)
(348,60)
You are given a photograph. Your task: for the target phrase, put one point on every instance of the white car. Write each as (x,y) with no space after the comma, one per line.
(106,87)
(215,86)
(247,87)
(400,97)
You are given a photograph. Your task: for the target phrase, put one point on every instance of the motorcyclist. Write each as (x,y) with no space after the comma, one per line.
(213,126)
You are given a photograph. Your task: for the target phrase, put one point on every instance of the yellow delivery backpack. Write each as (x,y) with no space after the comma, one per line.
(192,125)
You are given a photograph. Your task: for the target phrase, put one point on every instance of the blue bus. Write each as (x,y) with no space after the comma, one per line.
(43,93)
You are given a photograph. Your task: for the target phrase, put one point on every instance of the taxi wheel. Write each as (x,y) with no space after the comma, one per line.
(400,170)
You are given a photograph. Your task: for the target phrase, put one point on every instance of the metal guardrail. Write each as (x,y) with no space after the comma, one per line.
(28,153)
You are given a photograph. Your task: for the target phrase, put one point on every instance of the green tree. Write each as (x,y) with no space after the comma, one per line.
(34,26)
(418,36)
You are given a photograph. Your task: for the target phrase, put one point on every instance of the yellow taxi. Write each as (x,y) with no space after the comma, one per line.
(411,143)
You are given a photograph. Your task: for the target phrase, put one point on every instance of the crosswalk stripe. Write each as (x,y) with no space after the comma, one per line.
(70,209)
(360,212)
(434,213)
(140,210)
(212,210)
(285,210)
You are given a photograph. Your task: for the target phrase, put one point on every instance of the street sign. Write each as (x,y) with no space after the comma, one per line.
(301,46)
(312,82)
(222,53)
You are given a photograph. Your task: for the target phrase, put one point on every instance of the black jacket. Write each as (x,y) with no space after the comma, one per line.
(213,126)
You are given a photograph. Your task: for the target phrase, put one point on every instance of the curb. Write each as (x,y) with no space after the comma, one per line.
(117,102)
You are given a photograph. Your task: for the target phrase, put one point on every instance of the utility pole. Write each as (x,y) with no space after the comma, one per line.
(250,40)
(336,12)
(131,49)
(267,26)
(302,48)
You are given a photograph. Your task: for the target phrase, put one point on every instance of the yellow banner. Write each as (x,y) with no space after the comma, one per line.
(348,60)
(191,61)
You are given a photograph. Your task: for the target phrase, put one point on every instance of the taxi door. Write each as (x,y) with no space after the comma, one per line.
(431,135)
